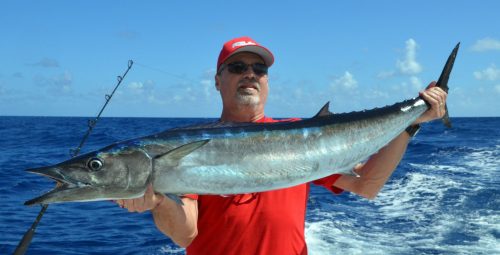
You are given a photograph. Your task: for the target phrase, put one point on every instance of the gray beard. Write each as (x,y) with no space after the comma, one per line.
(247,100)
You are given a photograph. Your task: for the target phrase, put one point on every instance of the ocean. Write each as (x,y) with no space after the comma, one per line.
(444,197)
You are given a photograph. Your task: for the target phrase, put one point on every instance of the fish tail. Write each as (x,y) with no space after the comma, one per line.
(443,81)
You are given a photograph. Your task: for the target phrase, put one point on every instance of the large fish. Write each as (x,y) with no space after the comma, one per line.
(233,158)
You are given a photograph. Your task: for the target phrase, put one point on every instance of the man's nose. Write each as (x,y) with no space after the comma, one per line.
(249,72)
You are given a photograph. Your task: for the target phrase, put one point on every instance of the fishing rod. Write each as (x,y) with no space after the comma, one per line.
(23,245)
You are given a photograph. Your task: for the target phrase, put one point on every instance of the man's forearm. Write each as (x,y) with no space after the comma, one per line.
(179,222)
(376,171)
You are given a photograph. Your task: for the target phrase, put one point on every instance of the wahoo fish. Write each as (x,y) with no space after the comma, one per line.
(233,158)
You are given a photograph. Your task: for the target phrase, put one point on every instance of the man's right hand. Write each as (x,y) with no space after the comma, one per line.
(179,222)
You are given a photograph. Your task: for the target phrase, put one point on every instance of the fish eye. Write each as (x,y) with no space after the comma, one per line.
(94,164)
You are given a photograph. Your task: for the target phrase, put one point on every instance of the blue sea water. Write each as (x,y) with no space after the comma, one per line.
(444,198)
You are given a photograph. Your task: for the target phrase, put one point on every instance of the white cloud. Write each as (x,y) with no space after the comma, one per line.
(406,88)
(177,98)
(376,94)
(497,88)
(409,64)
(298,93)
(47,62)
(152,98)
(56,83)
(138,91)
(208,88)
(64,81)
(148,92)
(486,44)
(416,83)
(145,89)
(385,74)
(135,85)
(491,73)
(346,81)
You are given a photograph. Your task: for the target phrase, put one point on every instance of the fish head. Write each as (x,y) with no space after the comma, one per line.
(101,175)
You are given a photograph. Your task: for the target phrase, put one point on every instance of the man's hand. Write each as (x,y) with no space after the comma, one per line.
(436,97)
(149,201)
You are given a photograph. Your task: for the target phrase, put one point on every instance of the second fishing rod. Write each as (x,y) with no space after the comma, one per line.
(25,242)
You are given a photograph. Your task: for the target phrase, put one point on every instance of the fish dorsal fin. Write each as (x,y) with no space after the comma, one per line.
(173,156)
(324,111)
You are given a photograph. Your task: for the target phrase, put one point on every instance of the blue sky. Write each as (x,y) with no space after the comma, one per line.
(59,58)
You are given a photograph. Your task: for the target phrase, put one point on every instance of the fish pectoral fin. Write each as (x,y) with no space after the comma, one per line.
(324,111)
(175,155)
(175,198)
(184,150)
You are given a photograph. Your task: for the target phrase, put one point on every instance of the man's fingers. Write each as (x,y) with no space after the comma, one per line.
(432,84)
(436,98)
(134,206)
(435,95)
(440,96)
(433,99)
(430,98)
(436,102)
(139,204)
(129,205)
(439,93)
(147,202)
(120,202)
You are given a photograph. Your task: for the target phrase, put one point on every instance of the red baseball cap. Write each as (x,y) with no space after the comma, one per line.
(244,44)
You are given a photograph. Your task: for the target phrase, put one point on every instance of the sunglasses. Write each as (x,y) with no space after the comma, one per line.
(239,67)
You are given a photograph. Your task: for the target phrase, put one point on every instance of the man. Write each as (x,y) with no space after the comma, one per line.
(268,222)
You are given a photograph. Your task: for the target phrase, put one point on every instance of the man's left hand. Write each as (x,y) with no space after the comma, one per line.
(436,97)
(149,201)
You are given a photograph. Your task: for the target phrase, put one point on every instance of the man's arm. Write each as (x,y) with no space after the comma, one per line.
(376,171)
(179,222)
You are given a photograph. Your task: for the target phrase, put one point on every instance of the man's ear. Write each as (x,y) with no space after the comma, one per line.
(217,82)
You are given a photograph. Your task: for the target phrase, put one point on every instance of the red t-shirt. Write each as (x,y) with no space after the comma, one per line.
(264,223)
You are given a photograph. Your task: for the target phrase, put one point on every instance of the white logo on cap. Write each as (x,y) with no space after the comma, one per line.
(242,43)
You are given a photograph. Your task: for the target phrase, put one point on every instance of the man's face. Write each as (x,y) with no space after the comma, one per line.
(247,89)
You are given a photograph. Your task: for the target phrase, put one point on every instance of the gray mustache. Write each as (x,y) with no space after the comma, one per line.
(246,82)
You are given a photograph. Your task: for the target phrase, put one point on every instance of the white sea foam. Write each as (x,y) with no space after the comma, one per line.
(330,236)
(486,161)
(171,249)
(432,209)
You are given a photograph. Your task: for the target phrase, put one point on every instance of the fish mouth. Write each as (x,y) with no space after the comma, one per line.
(64,184)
